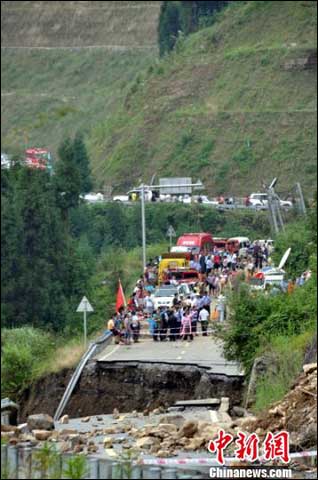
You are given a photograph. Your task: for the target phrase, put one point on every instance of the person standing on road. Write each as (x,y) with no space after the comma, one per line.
(204,316)
(186,332)
(258,256)
(149,305)
(172,324)
(135,326)
(127,329)
(153,326)
(163,324)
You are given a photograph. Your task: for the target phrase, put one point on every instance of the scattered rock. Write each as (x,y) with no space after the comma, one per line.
(92,449)
(74,440)
(27,437)
(108,442)
(42,435)
(99,419)
(177,420)
(9,428)
(156,411)
(40,421)
(64,447)
(245,422)
(7,435)
(86,419)
(23,428)
(308,436)
(78,448)
(309,368)
(276,411)
(164,454)
(189,428)
(65,419)
(239,412)
(110,431)
(67,431)
(147,442)
(195,443)
(116,414)
(13,441)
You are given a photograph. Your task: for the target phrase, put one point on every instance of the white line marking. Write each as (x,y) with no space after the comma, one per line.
(110,353)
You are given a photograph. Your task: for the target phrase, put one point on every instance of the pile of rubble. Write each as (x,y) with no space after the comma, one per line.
(40,428)
(168,433)
(296,413)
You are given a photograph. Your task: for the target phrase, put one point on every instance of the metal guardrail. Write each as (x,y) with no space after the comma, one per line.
(93,350)
(22,463)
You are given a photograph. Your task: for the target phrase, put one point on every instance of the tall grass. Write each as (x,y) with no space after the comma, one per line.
(288,353)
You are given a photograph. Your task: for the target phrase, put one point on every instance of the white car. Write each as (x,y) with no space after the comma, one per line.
(164,295)
(93,197)
(121,198)
(260,201)
(205,200)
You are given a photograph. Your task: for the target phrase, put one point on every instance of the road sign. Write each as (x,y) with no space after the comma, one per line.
(85,306)
(171,232)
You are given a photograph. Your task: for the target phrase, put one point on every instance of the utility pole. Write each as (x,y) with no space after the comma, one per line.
(276,218)
(143,227)
(197,185)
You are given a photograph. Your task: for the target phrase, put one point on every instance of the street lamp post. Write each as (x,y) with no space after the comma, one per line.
(197,185)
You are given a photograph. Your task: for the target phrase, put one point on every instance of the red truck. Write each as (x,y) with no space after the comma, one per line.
(195,242)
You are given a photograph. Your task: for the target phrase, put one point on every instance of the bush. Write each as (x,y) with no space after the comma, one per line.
(288,353)
(257,318)
(23,351)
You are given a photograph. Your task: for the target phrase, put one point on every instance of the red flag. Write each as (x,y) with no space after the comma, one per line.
(120,299)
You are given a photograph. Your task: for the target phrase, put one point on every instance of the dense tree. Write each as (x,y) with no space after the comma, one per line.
(82,161)
(169,26)
(42,269)
(185,16)
(67,177)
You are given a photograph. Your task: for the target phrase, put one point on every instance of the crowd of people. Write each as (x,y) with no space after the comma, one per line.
(189,315)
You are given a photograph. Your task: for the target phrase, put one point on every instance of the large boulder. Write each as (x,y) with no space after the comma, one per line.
(42,435)
(177,420)
(147,443)
(40,421)
(189,429)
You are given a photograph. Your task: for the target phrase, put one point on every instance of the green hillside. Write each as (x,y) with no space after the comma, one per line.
(235,104)
(228,107)
(66,65)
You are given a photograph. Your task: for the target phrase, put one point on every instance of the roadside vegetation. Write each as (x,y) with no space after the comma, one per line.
(281,326)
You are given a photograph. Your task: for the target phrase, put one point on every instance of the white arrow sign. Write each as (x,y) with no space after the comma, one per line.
(171,232)
(85,306)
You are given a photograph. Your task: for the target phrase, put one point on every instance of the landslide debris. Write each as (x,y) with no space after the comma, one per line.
(296,413)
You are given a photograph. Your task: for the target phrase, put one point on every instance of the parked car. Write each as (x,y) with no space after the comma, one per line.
(205,200)
(260,201)
(92,197)
(163,296)
(121,198)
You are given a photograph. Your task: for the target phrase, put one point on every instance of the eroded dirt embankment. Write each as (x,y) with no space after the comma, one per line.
(104,386)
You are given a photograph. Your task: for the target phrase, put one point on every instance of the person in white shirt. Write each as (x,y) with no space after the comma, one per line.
(204,316)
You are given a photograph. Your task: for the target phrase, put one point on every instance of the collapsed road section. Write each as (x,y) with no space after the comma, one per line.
(141,377)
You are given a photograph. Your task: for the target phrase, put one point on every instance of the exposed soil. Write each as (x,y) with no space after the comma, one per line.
(130,386)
